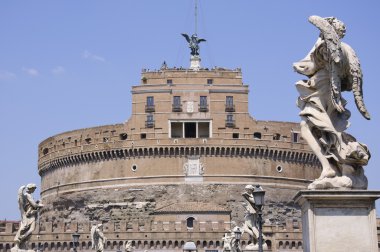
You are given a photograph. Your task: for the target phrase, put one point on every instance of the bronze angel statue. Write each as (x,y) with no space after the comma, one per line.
(193,43)
(332,67)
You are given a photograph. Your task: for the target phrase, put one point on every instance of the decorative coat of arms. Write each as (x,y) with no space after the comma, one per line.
(193,167)
(190,107)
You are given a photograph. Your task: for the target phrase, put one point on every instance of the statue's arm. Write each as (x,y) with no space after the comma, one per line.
(31,201)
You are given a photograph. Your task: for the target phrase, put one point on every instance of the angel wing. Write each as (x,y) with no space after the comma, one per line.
(201,40)
(332,41)
(329,35)
(186,37)
(21,200)
(355,79)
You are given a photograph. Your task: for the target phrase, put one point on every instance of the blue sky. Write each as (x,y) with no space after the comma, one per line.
(68,65)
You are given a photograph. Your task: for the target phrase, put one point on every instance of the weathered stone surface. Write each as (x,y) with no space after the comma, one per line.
(339,221)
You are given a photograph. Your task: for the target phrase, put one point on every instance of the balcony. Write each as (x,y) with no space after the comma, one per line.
(230,123)
(230,107)
(177,107)
(150,108)
(149,124)
(203,108)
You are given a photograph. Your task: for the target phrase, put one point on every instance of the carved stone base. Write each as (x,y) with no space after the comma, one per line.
(338,221)
(195,62)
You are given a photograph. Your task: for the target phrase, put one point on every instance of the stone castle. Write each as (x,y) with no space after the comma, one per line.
(174,171)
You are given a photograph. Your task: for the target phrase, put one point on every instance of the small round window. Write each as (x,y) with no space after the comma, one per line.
(134,167)
(279,168)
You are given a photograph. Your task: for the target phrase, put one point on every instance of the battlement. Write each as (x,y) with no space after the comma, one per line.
(203,76)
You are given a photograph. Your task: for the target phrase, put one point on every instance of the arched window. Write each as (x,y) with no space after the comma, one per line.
(190,222)
(257,135)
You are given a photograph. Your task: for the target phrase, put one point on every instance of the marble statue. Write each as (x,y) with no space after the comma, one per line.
(332,68)
(251,219)
(98,238)
(193,43)
(235,243)
(128,246)
(29,209)
(227,242)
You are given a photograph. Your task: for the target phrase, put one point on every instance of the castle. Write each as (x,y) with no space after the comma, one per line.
(174,171)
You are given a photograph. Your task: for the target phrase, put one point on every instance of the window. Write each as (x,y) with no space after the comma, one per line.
(169,81)
(149,121)
(177,106)
(257,135)
(149,107)
(176,130)
(190,222)
(143,135)
(230,122)
(134,167)
(123,136)
(210,81)
(150,101)
(149,118)
(177,100)
(190,130)
(203,129)
(235,135)
(229,100)
(279,168)
(295,137)
(203,100)
(203,104)
(276,136)
(230,107)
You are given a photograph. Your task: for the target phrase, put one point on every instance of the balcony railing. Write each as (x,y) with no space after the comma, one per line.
(230,107)
(177,107)
(149,124)
(149,108)
(203,108)
(230,123)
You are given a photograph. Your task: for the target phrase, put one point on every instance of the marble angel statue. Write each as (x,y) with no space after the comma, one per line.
(251,219)
(97,237)
(29,209)
(332,68)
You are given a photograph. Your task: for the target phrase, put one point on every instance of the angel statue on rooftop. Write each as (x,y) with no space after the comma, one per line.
(332,67)
(29,209)
(193,43)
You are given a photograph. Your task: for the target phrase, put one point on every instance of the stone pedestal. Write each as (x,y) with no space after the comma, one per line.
(338,221)
(195,62)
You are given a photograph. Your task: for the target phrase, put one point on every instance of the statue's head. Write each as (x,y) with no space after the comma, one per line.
(338,25)
(249,188)
(31,187)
